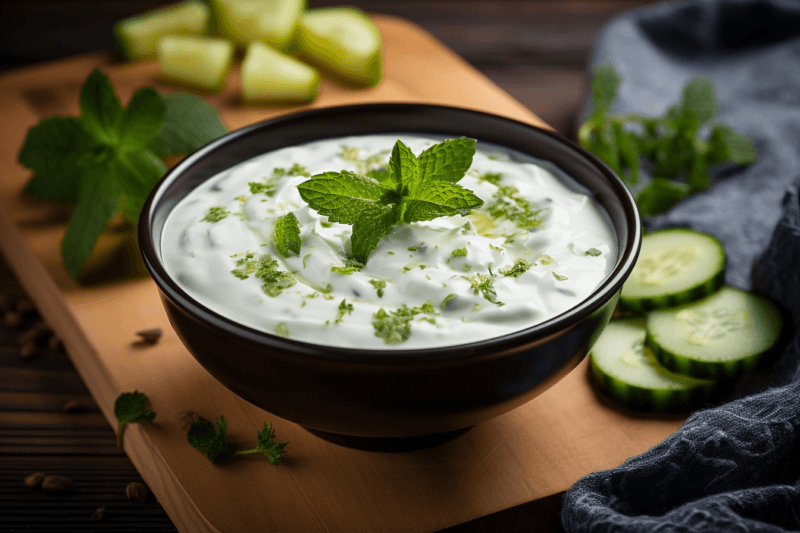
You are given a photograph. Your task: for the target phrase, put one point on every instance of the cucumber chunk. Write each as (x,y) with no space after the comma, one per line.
(270,76)
(201,62)
(626,370)
(272,22)
(138,36)
(719,336)
(675,266)
(343,41)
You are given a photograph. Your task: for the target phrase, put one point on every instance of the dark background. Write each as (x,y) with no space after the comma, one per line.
(537,51)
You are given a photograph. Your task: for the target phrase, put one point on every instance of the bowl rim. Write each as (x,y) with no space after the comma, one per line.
(485,348)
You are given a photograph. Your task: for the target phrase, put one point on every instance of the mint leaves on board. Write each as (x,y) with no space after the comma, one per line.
(107,160)
(674,155)
(131,407)
(213,441)
(415,189)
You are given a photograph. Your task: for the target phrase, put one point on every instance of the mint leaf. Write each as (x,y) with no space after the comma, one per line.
(98,204)
(374,224)
(341,196)
(131,407)
(725,144)
(660,196)
(189,123)
(403,166)
(214,442)
(138,171)
(432,199)
(700,100)
(141,120)
(57,150)
(447,161)
(101,110)
(267,445)
(605,85)
(287,235)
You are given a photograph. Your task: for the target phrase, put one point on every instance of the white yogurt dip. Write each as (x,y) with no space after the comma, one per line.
(538,246)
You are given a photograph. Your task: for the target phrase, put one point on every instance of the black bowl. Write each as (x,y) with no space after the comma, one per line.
(389,393)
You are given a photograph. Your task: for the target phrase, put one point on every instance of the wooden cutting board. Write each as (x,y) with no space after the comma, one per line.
(535,451)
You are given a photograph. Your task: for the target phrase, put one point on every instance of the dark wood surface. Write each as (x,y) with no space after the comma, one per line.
(537,51)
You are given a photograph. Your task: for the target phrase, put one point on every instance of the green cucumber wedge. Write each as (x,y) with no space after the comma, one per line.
(137,37)
(268,76)
(720,336)
(344,42)
(626,370)
(675,266)
(201,62)
(271,22)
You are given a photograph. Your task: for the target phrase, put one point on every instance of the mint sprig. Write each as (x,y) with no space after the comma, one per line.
(213,441)
(107,160)
(287,235)
(131,407)
(415,189)
(669,146)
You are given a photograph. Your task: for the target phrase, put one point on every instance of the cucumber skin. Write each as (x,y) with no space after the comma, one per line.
(125,46)
(700,369)
(642,305)
(666,401)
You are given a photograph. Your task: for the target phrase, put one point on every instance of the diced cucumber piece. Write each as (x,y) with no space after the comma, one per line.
(272,77)
(138,36)
(719,336)
(626,370)
(272,22)
(201,62)
(675,266)
(343,41)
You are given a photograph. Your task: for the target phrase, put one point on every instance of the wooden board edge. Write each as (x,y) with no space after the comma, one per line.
(42,289)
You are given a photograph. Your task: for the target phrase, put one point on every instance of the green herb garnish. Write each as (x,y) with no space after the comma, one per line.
(679,160)
(131,407)
(415,190)
(212,441)
(268,186)
(483,284)
(594,252)
(265,268)
(559,277)
(394,327)
(287,235)
(509,205)
(459,252)
(267,445)
(350,266)
(379,285)
(546,259)
(446,301)
(519,268)
(344,309)
(107,160)
(281,328)
(215,214)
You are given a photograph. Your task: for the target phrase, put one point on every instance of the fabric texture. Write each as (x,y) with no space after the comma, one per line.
(735,467)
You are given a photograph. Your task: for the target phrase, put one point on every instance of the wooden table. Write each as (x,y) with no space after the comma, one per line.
(536,51)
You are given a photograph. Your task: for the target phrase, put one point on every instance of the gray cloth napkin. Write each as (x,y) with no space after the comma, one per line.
(735,467)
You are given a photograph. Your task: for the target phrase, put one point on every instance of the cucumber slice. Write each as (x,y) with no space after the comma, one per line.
(626,369)
(343,41)
(719,336)
(270,76)
(138,36)
(201,62)
(272,22)
(675,266)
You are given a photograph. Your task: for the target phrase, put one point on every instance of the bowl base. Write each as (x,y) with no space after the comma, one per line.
(388,444)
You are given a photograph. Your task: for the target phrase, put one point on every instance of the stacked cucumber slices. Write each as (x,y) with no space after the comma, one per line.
(280,37)
(697,333)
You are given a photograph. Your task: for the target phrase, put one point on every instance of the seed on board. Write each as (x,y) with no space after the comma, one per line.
(188,418)
(34,480)
(150,336)
(137,492)
(57,484)
(98,514)
(73,406)
(13,319)
(26,351)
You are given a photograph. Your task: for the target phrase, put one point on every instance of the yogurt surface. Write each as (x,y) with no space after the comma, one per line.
(538,246)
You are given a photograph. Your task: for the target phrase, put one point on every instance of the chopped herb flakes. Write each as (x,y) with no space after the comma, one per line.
(268,185)
(476,307)
(559,277)
(446,301)
(466,268)
(594,252)
(344,309)
(546,259)
(483,284)
(459,252)
(394,327)
(282,330)
(509,205)
(520,267)
(215,214)
(492,178)
(350,266)
(266,269)
(379,285)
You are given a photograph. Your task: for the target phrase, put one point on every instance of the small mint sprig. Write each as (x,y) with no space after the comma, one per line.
(414,190)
